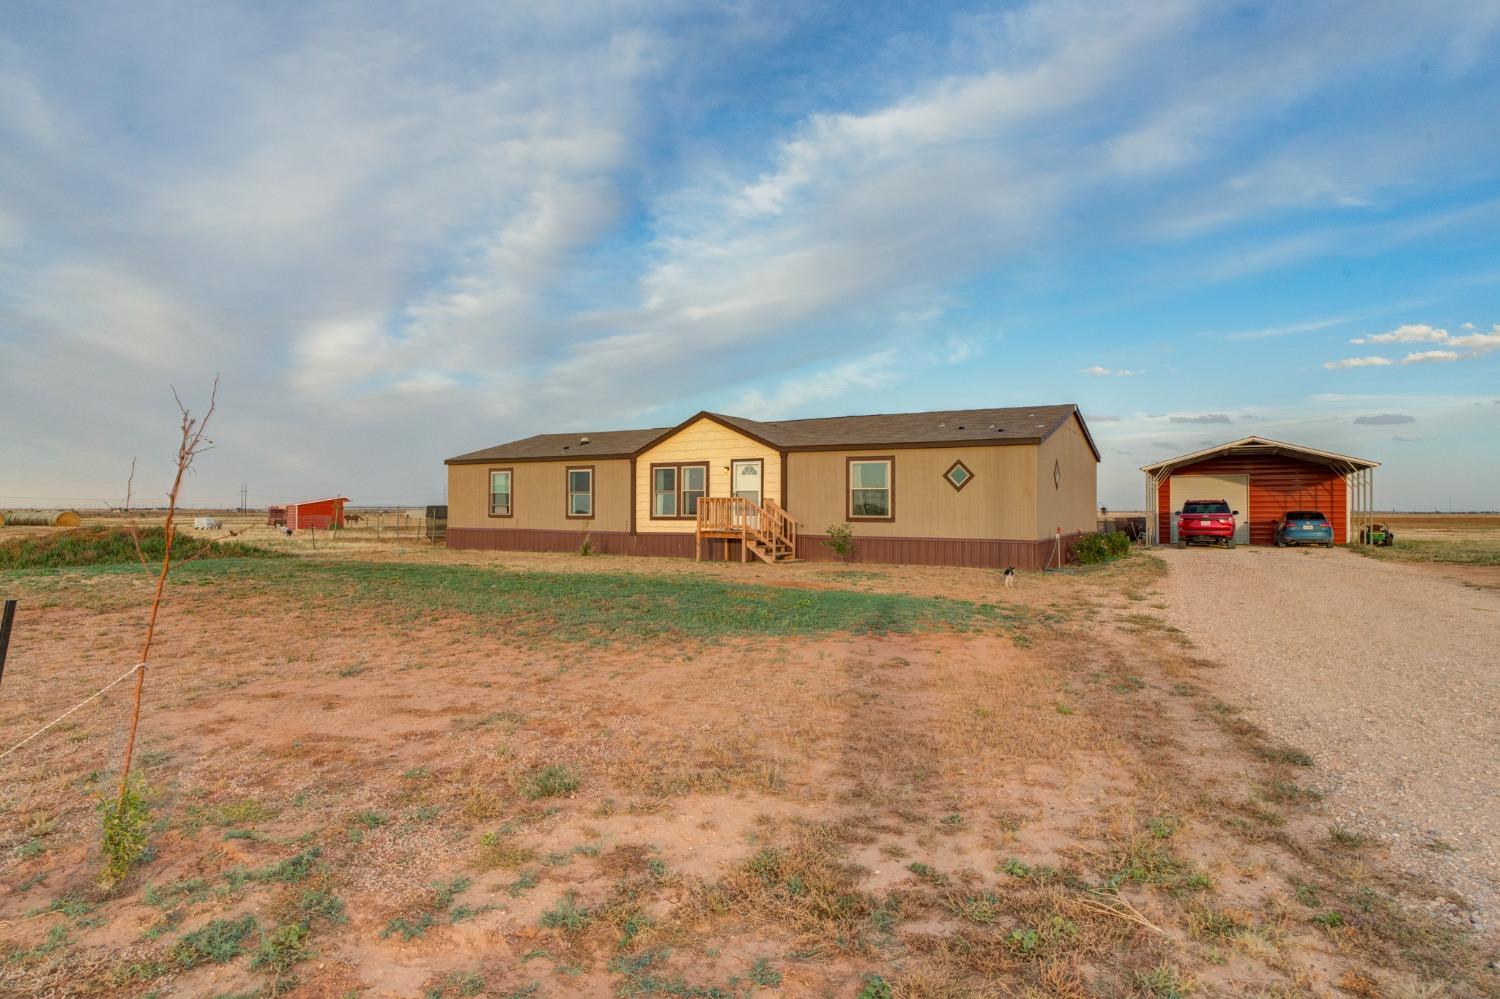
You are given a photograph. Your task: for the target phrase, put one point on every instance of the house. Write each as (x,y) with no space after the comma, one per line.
(316,515)
(976,487)
(1263,479)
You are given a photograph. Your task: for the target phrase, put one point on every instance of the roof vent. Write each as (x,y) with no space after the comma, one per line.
(584,439)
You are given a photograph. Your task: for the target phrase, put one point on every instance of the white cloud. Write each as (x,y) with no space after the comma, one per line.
(1409,333)
(1358,362)
(1100,371)
(1422,356)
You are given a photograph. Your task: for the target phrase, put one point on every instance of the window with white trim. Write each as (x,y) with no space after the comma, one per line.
(870,489)
(500,479)
(580,492)
(664,491)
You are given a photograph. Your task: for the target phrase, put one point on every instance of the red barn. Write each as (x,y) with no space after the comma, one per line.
(316,514)
(1262,479)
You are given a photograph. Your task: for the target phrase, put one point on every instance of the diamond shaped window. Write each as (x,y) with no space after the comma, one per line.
(958,475)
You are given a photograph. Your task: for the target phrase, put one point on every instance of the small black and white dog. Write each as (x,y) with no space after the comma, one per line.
(1010,576)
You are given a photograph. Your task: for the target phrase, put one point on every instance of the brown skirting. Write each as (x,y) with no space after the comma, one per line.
(978,553)
(982,553)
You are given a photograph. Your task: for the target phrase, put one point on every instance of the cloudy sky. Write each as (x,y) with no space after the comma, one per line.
(404,231)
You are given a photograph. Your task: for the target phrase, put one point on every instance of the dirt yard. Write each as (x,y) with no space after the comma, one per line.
(404,772)
(1387,674)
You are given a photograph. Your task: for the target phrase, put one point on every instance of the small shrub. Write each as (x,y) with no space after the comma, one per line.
(126,824)
(1094,549)
(841,540)
(587,548)
(876,988)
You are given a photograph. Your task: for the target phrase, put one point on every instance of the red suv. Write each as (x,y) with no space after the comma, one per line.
(1203,522)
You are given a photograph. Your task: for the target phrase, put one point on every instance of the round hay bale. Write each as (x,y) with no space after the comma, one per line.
(41,518)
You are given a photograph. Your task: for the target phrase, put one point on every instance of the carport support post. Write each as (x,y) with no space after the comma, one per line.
(7,618)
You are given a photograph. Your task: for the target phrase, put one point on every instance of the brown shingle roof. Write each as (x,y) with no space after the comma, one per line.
(605,444)
(1016,424)
(1011,425)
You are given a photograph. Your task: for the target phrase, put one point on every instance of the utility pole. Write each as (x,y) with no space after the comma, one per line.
(244,495)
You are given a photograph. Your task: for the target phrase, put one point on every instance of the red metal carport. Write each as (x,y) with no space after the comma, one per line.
(1277,477)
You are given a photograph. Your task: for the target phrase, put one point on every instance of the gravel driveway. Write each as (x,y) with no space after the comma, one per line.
(1389,676)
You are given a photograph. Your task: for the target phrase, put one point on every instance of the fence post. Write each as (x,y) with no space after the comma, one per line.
(7,618)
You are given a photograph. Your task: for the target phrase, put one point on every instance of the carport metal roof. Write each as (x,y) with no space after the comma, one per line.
(1252,446)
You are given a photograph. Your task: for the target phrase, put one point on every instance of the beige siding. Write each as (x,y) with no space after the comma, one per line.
(705,441)
(539,496)
(999,502)
(1073,505)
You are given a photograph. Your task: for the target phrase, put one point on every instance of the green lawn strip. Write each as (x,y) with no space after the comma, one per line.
(1470,551)
(589,606)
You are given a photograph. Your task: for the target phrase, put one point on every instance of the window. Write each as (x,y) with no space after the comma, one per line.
(958,475)
(694,486)
(500,492)
(664,491)
(676,490)
(581,492)
(871,489)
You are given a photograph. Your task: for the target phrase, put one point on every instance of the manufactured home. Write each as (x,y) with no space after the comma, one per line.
(977,487)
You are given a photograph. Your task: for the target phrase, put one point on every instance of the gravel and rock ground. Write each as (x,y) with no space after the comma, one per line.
(1389,676)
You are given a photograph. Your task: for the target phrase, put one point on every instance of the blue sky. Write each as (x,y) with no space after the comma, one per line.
(404,231)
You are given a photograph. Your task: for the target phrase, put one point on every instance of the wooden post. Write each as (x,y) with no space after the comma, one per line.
(7,618)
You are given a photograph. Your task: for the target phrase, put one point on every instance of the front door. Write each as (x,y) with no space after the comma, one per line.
(745,479)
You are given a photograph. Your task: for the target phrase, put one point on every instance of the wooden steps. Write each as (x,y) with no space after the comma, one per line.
(764,530)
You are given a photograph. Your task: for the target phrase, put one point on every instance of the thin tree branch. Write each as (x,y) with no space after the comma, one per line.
(189,446)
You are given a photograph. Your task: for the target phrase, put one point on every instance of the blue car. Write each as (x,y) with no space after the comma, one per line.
(1304,527)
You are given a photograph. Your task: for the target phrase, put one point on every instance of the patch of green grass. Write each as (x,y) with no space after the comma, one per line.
(566,915)
(1456,551)
(368,819)
(527,880)
(187,890)
(410,926)
(281,949)
(1163,982)
(983,908)
(550,782)
(320,905)
(291,870)
(599,607)
(761,973)
(457,985)
(927,873)
(220,941)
